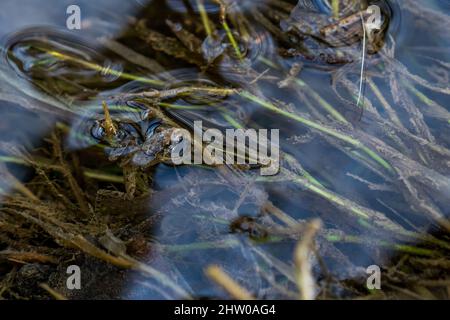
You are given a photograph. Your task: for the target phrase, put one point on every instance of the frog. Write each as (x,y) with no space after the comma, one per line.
(319,36)
(136,138)
(141,143)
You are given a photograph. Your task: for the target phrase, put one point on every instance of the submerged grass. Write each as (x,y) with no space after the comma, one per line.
(102,69)
(321,128)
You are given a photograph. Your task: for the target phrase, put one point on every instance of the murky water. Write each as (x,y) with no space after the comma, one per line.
(367,155)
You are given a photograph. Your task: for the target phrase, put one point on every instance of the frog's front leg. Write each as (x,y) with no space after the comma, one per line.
(136,181)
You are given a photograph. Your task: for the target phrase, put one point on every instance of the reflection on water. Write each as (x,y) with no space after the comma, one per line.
(375,172)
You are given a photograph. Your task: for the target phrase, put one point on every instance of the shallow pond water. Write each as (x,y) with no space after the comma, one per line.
(364,127)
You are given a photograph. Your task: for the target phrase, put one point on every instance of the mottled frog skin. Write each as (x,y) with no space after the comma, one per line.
(320,37)
(141,137)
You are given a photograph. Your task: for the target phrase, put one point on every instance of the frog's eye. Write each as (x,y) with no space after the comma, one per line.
(98,131)
(121,134)
(152,127)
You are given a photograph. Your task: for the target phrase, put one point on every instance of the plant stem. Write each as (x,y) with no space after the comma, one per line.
(335,7)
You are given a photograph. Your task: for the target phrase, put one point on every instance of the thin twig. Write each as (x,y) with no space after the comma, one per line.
(226,282)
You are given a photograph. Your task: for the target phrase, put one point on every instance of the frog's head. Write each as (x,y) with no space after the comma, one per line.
(134,136)
(140,144)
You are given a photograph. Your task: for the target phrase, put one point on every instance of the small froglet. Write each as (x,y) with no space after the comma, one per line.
(328,39)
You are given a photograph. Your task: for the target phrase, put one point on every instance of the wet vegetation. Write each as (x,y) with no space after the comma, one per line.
(364,149)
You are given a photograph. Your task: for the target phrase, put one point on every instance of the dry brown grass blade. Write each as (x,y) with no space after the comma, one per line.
(28,257)
(226,282)
(109,126)
(304,277)
(65,236)
(131,55)
(55,294)
(169,45)
(5,175)
(67,172)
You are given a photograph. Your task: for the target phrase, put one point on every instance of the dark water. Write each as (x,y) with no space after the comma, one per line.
(377,175)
